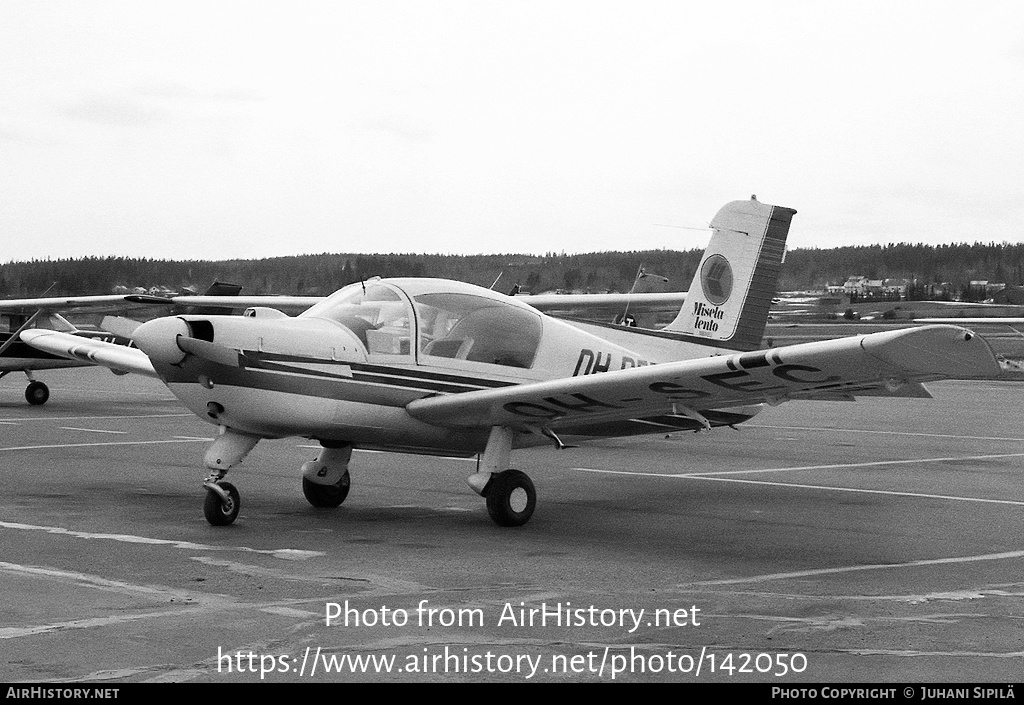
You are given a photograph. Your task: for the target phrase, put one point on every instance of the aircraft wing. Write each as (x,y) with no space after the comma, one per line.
(293,304)
(542,302)
(993,320)
(95,352)
(554,302)
(867,364)
(68,303)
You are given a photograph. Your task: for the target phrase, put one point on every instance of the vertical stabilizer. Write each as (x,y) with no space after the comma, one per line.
(733,287)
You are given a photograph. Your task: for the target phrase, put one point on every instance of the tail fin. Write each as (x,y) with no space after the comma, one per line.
(733,287)
(218,288)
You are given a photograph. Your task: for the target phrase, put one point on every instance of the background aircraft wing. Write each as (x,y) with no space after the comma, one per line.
(643,309)
(994,320)
(70,303)
(288,304)
(869,364)
(670,301)
(119,358)
(554,302)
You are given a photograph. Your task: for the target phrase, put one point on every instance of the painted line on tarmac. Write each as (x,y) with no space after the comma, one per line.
(1009,555)
(193,601)
(16,632)
(93,418)
(796,468)
(841,466)
(285,553)
(108,443)
(112,585)
(90,430)
(716,477)
(884,433)
(893,493)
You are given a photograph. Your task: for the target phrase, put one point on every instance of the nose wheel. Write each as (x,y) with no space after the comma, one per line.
(222,503)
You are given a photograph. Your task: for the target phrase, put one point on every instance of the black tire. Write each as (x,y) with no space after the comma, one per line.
(326,496)
(511,498)
(217,511)
(36,393)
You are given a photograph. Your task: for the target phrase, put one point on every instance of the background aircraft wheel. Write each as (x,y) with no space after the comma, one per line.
(511,498)
(221,513)
(327,496)
(36,393)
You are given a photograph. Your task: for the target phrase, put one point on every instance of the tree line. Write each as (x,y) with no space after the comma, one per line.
(312,275)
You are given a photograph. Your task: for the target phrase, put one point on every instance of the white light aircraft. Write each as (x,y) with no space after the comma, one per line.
(439,367)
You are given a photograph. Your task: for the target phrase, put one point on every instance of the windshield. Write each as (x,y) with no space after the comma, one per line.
(377,315)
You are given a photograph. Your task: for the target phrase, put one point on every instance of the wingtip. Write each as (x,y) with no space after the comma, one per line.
(947,351)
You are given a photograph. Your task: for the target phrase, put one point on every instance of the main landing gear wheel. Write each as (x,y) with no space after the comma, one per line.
(36,393)
(220,512)
(326,496)
(511,498)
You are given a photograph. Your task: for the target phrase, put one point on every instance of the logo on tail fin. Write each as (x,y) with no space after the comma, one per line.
(716,279)
(732,289)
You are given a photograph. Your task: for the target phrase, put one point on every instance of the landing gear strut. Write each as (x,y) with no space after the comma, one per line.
(222,499)
(510,494)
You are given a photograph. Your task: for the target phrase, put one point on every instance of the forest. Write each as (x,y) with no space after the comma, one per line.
(312,275)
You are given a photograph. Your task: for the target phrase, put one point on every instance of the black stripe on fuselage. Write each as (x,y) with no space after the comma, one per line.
(272,372)
(259,359)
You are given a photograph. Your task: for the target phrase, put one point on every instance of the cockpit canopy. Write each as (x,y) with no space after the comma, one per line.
(446,319)
(376,313)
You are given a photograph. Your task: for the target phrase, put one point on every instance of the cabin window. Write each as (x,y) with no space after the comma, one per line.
(477,329)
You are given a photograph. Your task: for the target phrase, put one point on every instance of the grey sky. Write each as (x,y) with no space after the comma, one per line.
(214,130)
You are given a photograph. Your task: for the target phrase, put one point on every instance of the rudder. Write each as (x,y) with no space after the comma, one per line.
(733,286)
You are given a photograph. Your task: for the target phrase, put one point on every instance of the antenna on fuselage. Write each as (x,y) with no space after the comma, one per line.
(625,319)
